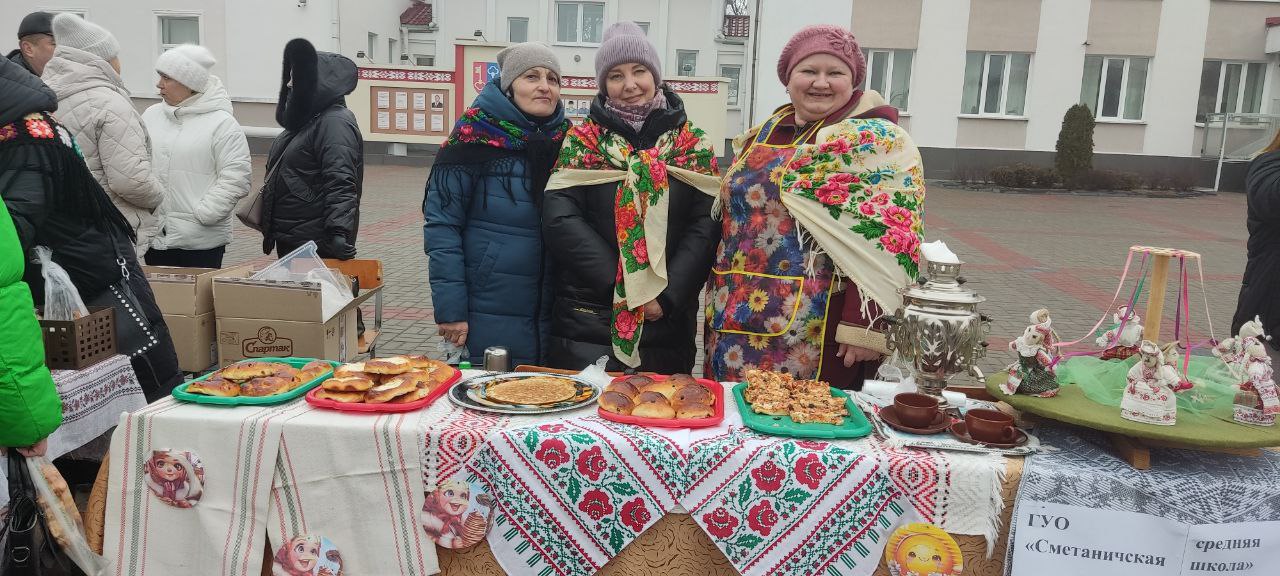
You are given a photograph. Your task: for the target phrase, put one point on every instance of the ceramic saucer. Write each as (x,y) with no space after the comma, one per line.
(889,415)
(958,430)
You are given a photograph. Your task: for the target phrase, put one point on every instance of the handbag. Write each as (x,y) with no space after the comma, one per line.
(28,544)
(249,209)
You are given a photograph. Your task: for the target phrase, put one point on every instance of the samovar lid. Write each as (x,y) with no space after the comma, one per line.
(943,284)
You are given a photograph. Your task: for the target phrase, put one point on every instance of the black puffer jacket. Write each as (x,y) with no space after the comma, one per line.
(316,190)
(579,230)
(1260,290)
(15,56)
(55,202)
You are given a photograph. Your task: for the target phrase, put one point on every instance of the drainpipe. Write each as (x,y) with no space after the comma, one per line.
(755,62)
(335,27)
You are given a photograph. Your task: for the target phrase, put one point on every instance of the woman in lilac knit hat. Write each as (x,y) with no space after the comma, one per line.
(627,218)
(822,219)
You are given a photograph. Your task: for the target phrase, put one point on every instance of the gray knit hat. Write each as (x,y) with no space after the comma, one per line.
(516,59)
(625,42)
(76,32)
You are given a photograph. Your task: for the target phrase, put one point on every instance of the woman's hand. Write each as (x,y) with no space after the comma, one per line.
(652,310)
(851,354)
(455,332)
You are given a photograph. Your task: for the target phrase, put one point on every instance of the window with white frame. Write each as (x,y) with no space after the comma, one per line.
(579,22)
(392,53)
(425,60)
(995,84)
(1230,87)
(517,29)
(686,62)
(734,74)
(889,73)
(178,29)
(373,47)
(643,26)
(1114,87)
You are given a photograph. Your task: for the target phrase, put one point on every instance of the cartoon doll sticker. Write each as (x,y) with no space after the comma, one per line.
(307,555)
(920,549)
(445,516)
(176,477)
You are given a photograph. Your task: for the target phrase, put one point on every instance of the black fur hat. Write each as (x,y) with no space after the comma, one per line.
(294,108)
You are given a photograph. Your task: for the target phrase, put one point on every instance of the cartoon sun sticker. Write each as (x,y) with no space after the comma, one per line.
(456,514)
(176,477)
(921,549)
(307,555)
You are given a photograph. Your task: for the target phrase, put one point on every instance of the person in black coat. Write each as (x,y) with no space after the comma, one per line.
(318,161)
(582,233)
(1260,289)
(55,202)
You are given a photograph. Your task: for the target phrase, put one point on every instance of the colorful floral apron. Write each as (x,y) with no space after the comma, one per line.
(768,294)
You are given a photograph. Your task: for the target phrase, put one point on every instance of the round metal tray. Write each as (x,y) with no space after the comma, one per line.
(463,394)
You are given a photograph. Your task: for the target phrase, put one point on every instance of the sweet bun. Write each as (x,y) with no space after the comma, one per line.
(265,386)
(344,397)
(654,409)
(422,363)
(353,369)
(696,393)
(689,410)
(413,396)
(681,380)
(650,396)
(664,387)
(388,391)
(616,402)
(637,380)
(249,370)
(388,366)
(214,386)
(421,379)
(347,384)
(313,370)
(623,387)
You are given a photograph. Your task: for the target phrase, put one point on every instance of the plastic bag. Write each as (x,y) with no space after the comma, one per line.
(45,534)
(61,300)
(595,373)
(305,265)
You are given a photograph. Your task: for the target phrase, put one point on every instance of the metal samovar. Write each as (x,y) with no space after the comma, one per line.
(938,329)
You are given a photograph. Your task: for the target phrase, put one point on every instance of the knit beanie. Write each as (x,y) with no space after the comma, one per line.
(516,59)
(188,64)
(625,43)
(76,32)
(822,39)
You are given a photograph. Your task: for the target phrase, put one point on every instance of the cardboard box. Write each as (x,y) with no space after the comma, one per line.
(185,291)
(264,318)
(195,338)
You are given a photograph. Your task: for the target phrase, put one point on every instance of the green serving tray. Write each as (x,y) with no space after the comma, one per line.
(181,391)
(855,424)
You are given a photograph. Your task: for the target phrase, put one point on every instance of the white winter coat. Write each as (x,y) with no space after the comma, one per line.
(95,106)
(201,156)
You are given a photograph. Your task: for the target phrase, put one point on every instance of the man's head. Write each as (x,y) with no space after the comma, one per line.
(35,40)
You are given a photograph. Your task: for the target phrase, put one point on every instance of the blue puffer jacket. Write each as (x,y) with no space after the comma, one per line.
(483,239)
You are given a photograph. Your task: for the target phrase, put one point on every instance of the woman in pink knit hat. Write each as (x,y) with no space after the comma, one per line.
(822,218)
(627,218)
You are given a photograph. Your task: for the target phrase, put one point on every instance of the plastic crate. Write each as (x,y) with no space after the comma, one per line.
(76,344)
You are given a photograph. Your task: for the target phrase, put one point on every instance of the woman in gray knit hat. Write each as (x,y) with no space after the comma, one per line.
(628,219)
(482,231)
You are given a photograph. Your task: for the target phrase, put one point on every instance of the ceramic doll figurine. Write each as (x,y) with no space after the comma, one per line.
(1258,401)
(1033,373)
(1173,358)
(1126,340)
(1148,396)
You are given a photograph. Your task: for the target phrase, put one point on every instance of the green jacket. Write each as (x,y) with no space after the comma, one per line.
(29,405)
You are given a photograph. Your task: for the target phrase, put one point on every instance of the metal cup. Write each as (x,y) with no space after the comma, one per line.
(496,359)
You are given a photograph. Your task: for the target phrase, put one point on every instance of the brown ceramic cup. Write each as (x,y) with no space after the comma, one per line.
(991,426)
(917,410)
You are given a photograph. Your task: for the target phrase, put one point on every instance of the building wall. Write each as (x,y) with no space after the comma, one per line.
(897,29)
(1123,27)
(1004,25)
(1236,29)
(1056,69)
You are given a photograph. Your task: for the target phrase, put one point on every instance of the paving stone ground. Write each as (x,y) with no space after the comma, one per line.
(1022,251)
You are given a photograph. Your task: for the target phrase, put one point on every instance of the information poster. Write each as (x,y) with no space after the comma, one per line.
(384,100)
(384,120)
(402,100)
(419,122)
(409,111)
(402,120)
(419,101)
(437,123)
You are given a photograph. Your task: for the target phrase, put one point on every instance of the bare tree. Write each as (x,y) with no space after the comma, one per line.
(735,7)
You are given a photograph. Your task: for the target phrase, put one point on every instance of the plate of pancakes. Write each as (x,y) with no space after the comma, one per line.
(676,401)
(258,381)
(393,384)
(523,393)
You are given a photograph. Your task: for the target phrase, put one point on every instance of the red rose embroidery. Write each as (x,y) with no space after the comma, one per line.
(591,463)
(626,324)
(466,129)
(897,216)
(595,503)
(867,209)
(552,428)
(635,515)
(761,518)
(641,251)
(553,453)
(832,195)
(899,241)
(810,470)
(719,523)
(811,445)
(626,217)
(658,170)
(801,162)
(881,199)
(769,476)
(837,146)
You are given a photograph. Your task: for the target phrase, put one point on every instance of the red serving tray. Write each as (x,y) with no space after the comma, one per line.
(384,408)
(714,420)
